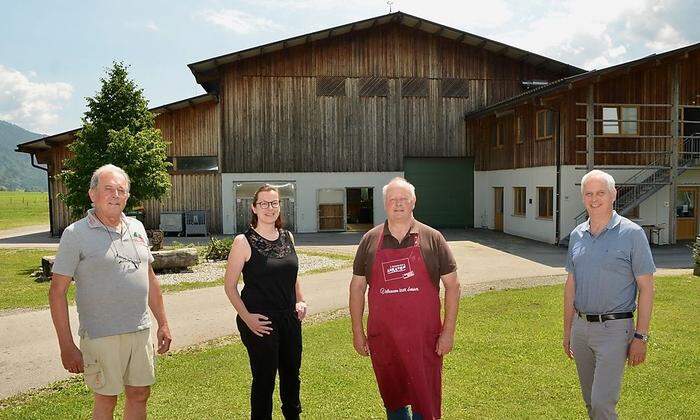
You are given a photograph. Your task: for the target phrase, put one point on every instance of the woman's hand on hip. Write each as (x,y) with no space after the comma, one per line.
(258,324)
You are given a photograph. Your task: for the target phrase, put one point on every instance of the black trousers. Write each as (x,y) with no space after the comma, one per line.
(278,351)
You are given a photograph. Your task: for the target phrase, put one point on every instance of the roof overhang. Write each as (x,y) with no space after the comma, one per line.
(45,143)
(575,81)
(207,74)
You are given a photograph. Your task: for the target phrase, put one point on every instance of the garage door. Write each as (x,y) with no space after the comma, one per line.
(445,190)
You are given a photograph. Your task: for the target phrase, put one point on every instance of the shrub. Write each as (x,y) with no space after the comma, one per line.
(218,249)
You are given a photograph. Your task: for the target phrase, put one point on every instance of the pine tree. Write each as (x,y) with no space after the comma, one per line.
(119,129)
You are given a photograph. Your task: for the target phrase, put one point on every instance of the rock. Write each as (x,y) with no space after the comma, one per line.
(176,259)
(172,260)
(46,265)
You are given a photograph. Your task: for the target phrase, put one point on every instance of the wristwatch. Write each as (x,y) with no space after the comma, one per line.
(641,336)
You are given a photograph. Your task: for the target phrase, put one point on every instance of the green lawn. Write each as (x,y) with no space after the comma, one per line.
(19,290)
(18,208)
(507,363)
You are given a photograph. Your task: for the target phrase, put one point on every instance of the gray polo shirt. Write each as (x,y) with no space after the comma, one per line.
(110,270)
(605,267)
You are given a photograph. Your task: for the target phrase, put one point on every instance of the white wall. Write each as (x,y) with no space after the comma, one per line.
(307,184)
(529,226)
(653,211)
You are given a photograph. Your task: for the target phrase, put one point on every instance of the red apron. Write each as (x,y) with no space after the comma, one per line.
(402,330)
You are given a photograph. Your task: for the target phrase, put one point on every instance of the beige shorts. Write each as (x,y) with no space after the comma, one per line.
(117,360)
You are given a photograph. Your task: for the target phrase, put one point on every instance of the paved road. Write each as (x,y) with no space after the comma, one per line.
(486,260)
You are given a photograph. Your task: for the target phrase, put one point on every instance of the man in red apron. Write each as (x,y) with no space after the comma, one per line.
(403,262)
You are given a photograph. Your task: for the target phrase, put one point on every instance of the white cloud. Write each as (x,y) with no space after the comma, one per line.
(31,105)
(237,21)
(152,26)
(666,38)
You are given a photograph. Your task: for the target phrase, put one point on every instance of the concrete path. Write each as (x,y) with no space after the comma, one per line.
(27,236)
(486,260)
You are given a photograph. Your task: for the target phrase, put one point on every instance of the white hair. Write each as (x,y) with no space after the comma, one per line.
(596,173)
(108,168)
(399,182)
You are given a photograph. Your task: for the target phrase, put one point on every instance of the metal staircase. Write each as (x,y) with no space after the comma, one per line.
(649,181)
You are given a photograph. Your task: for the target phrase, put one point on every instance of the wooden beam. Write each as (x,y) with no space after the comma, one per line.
(675,144)
(461,37)
(590,128)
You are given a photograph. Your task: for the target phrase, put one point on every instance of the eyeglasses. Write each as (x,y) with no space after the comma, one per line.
(268,204)
(120,259)
(119,190)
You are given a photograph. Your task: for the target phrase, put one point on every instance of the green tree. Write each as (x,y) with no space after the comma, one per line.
(119,129)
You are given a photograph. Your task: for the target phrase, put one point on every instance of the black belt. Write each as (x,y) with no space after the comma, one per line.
(606,317)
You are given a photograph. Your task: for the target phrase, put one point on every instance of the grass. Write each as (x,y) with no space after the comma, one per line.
(19,208)
(18,290)
(507,362)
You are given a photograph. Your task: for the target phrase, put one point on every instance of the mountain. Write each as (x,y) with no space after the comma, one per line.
(16,170)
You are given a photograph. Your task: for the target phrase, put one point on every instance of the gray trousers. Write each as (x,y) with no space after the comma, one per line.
(600,351)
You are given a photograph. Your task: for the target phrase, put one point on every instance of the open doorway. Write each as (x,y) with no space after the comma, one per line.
(360,208)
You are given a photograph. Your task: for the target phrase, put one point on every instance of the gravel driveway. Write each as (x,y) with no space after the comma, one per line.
(213,270)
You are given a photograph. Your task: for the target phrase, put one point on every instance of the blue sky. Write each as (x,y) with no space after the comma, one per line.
(53,53)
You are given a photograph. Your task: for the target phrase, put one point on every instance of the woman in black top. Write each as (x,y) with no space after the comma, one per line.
(270,307)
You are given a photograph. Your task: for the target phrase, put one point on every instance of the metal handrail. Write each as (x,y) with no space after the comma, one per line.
(643,181)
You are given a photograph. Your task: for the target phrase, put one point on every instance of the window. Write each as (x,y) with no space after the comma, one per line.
(519,130)
(545,124)
(519,201)
(545,199)
(454,88)
(330,86)
(194,163)
(374,86)
(414,87)
(620,120)
(501,133)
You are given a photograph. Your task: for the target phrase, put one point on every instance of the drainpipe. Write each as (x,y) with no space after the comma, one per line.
(48,183)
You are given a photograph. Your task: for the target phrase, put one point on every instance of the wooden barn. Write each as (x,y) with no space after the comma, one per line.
(330,117)
(639,121)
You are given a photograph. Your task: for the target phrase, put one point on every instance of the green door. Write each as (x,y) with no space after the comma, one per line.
(445,190)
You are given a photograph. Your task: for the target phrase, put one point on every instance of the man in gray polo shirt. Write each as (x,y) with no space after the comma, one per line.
(610,265)
(107,256)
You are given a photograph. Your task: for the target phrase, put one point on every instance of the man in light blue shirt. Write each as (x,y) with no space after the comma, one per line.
(610,265)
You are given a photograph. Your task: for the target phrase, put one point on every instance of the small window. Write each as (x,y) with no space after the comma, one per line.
(374,86)
(545,199)
(545,124)
(611,123)
(620,120)
(501,135)
(519,130)
(454,88)
(330,86)
(195,164)
(415,86)
(519,201)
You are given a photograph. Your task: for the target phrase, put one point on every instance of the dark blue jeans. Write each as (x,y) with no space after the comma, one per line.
(402,414)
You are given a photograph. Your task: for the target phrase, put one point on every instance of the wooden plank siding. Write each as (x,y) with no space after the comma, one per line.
(647,84)
(191,131)
(189,192)
(273,121)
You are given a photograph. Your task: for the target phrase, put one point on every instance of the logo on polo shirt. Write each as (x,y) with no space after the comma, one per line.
(397,270)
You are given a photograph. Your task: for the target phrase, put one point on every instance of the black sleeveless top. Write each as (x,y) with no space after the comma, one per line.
(270,274)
